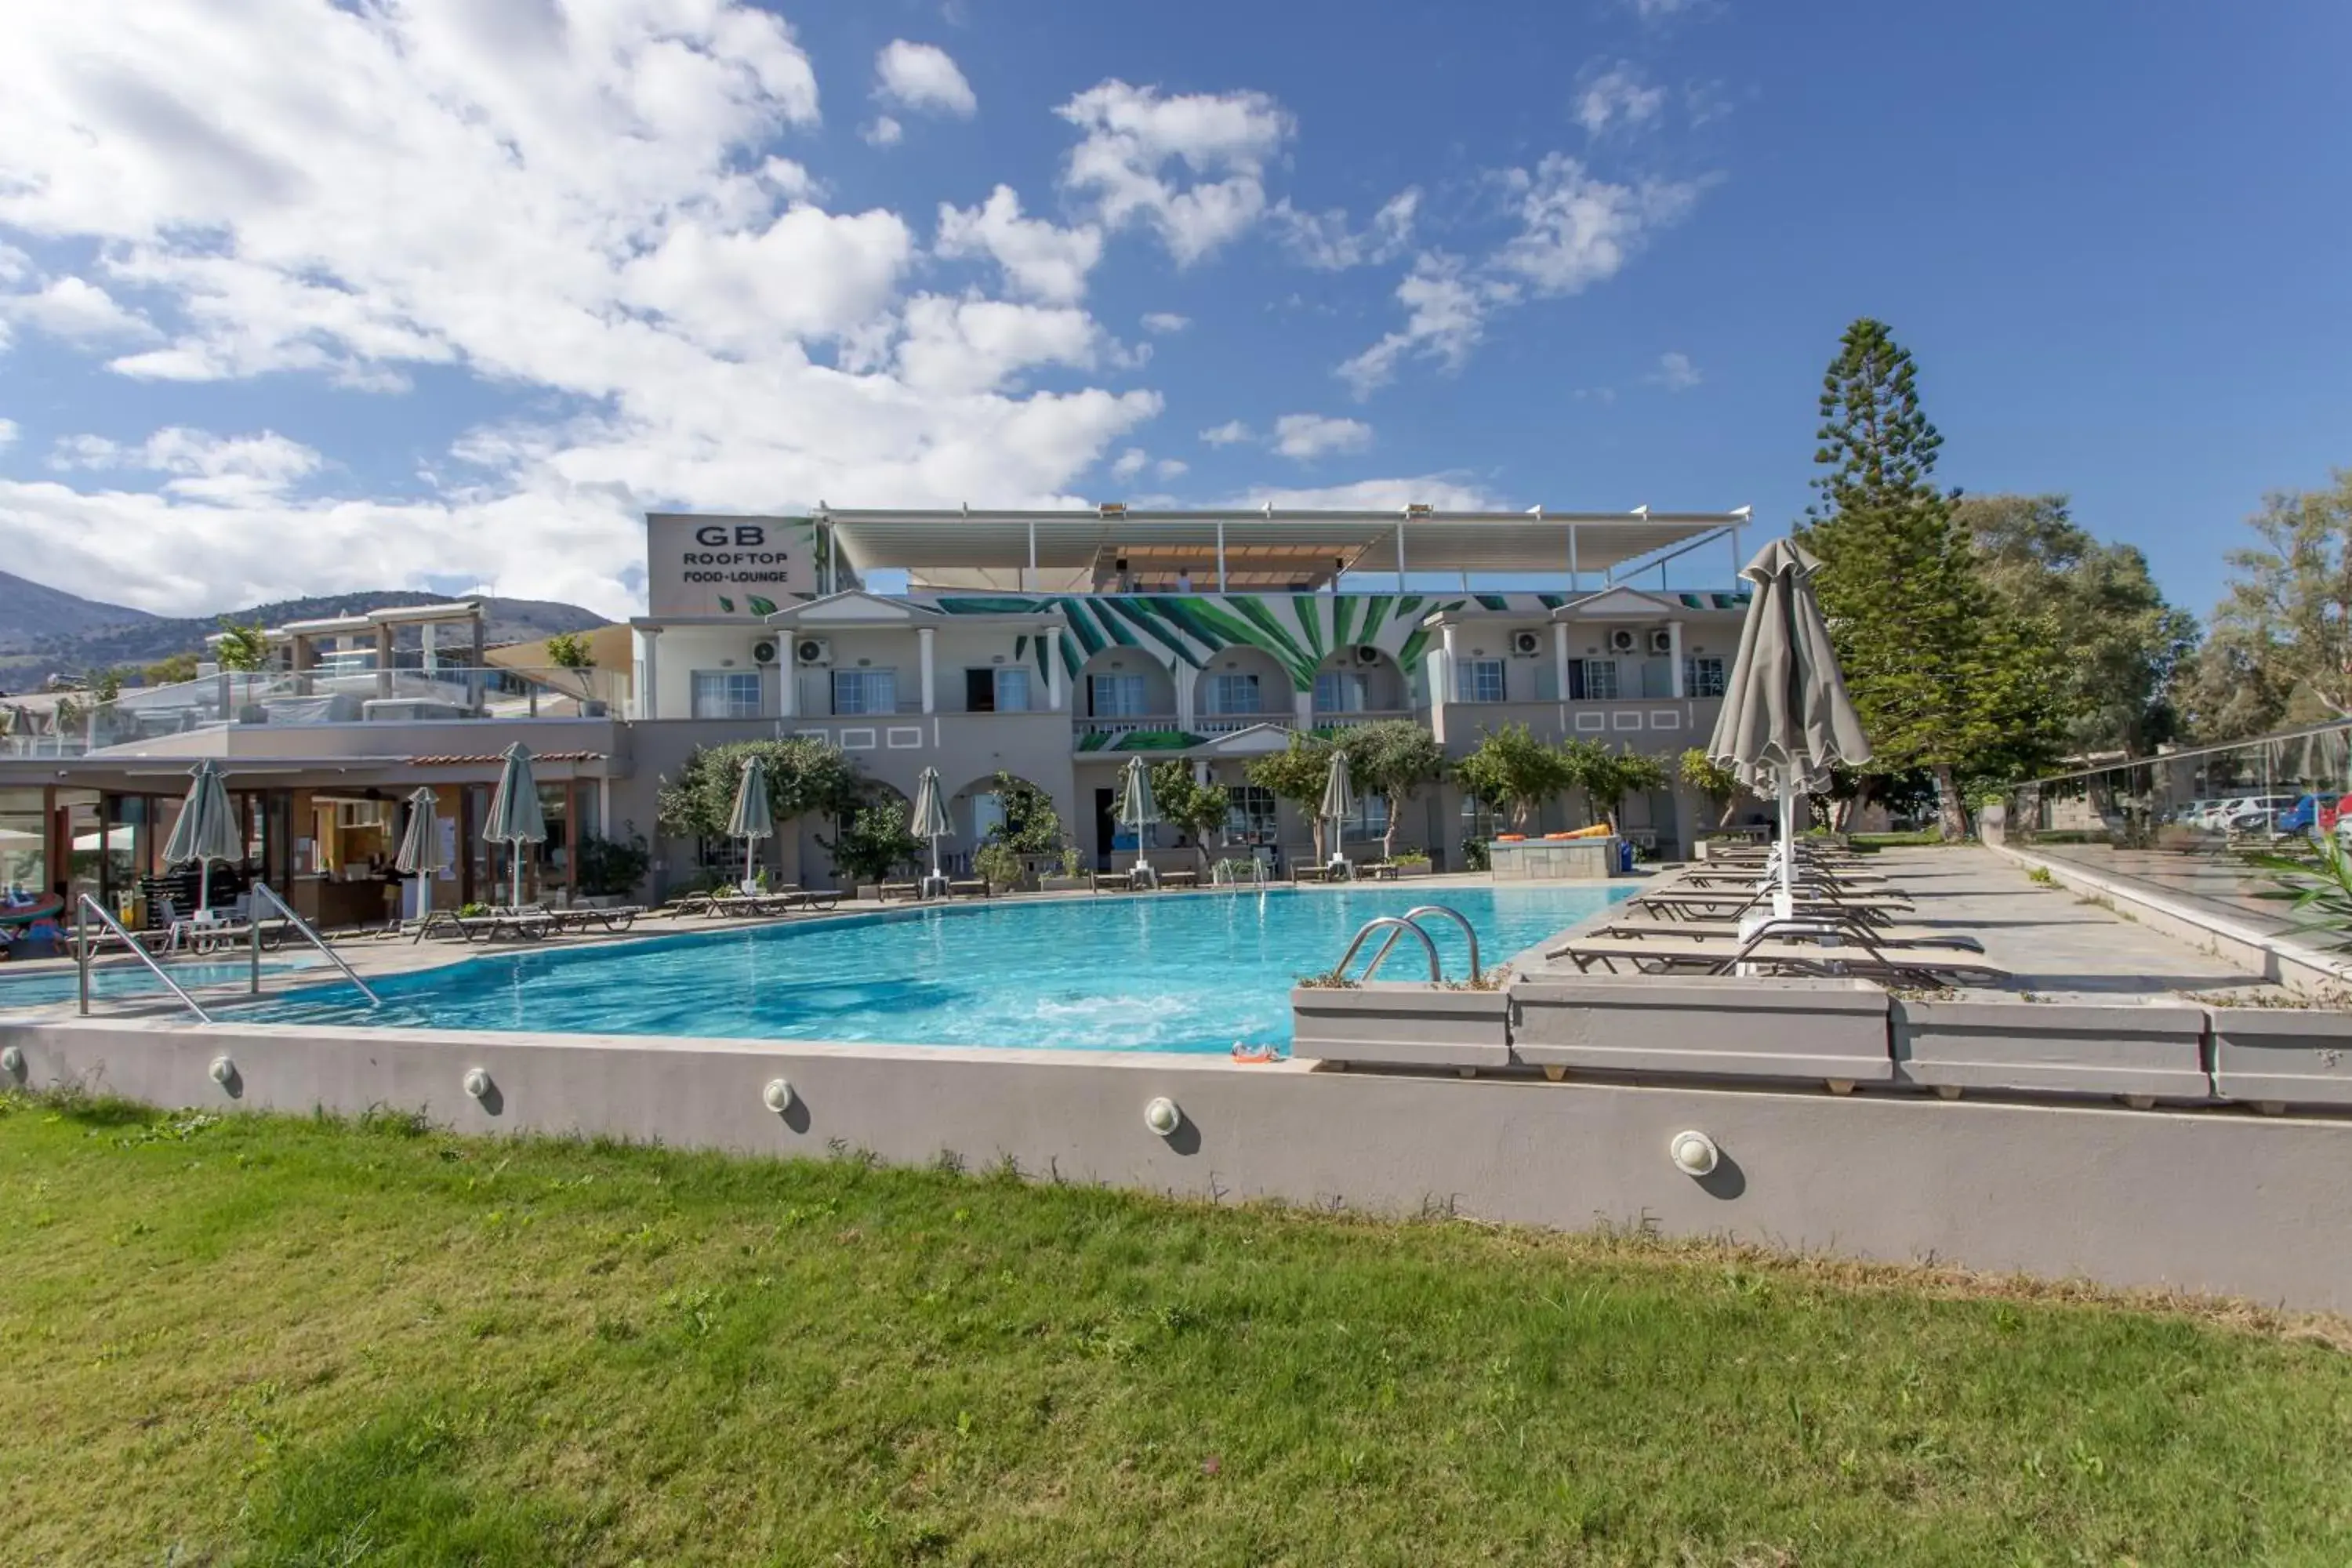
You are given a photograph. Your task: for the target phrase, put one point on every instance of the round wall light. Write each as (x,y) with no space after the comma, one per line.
(11,1062)
(778,1096)
(1693,1154)
(224,1071)
(478,1083)
(1163,1116)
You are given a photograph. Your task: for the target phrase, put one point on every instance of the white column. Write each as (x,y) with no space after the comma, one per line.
(649,699)
(1575,577)
(923,645)
(1184,678)
(1029,574)
(1450,675)
(1400,557)
(431,634)
(788,680)
(1674,655)
(1054,668)
(1302,707)
(1559,660)
(1221,555)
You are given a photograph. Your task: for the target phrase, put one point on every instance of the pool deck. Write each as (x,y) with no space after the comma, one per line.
(2054,943)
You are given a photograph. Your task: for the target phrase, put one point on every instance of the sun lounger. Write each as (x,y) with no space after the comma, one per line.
(1698,904)
(1787,955)
(1180,879)
(1824,923)
(973,888)
(910,892)
(580,918)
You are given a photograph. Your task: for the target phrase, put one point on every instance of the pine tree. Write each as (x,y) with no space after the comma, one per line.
(1942,678)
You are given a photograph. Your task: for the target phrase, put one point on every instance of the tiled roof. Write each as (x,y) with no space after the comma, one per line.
(456,760)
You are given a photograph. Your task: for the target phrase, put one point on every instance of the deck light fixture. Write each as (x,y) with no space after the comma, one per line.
(224,1071)
(778,1096)
(478,1083)
(1162,1117)
(11,1062)
(1693,1154)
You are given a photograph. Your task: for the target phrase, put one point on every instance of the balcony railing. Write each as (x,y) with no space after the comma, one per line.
(1355,718)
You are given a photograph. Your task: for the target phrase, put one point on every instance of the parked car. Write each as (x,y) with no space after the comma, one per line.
(2255,812)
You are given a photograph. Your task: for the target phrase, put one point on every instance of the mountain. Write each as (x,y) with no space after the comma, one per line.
(30,610)
(44,632)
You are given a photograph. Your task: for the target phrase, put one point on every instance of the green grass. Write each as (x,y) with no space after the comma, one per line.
(273,1340)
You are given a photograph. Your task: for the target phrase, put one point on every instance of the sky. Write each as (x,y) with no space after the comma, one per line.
(299,297)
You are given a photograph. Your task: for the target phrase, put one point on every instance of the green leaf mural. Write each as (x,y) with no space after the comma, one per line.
(761,606)
(726,604)
(1307,607)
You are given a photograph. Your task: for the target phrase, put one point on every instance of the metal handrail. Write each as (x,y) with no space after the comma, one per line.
(1458,919)
(1397,925)
(87,907)
(312,937)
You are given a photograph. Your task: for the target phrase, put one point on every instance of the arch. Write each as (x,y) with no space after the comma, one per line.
(1158,689)
(1219,690)
(1356,688)
(971,818)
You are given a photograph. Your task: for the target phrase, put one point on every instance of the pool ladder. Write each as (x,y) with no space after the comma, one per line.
(85,949)
(1396,926)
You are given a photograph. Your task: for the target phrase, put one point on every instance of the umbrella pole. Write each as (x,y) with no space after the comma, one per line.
(1785,904)
(515,849)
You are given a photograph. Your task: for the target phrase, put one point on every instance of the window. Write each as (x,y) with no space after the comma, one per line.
(1480,680)
(864,691)
(987,815)
(727,694)
(1011,690)
(1340,691)
(1002,689)
(1250,816)
(1116,696)
(1369,820)
(1592,680)
(1702,678)
(1233,694)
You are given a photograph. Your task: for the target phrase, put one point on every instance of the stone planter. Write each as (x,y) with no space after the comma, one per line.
(2278,1056)
(1402,1023)
(1830,1031)
(2136,1051)
(1062,884)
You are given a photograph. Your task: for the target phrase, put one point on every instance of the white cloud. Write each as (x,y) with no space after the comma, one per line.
(1445,316)
(7,433)
(77,310)
(588,209)
(1578,229)
(1445,492)
(1040,260)
(1164,322)
(1231,433)
(1169,467)
(922,77)
(1220,143)
(1306,436)
(204,467)
(1675,372)
(1656,11)
(883,131)
(1129,463)
(1618,97)
(1575,230)
(1323,239)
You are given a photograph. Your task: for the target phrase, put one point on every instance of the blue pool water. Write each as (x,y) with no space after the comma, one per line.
(124,978)
(1166,972)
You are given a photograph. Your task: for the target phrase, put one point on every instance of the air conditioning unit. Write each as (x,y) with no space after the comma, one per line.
(1367,655)
(1527,645)
(813,650)
(763,651)
(1622,640)
(1662,641)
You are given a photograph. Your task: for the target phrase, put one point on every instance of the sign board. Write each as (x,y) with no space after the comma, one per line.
(702,563)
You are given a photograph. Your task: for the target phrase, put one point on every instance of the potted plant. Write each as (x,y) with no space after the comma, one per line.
(241,650)
(1464,1025)
(1070,879)
(611,871)
(1411,862)
(569,652)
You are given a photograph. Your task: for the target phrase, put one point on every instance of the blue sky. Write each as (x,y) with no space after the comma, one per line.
(457,304)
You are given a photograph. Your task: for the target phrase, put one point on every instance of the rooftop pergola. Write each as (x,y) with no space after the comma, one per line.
(1268,549)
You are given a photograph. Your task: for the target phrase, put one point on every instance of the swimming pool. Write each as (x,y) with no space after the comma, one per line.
(123,977)
(1177,973)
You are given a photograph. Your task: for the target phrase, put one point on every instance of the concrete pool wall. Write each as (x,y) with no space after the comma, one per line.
(2214,1201)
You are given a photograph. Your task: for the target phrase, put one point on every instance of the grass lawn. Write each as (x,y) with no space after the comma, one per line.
(275,1340)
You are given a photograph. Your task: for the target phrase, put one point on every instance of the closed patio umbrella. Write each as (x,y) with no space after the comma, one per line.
(1786,716)
(930,817)
(1136,808)
(1338,799)
(420,853)
(752,820)
(206,831)
(515,817)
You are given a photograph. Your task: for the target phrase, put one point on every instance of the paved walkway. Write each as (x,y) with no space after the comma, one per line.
(2052,943)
